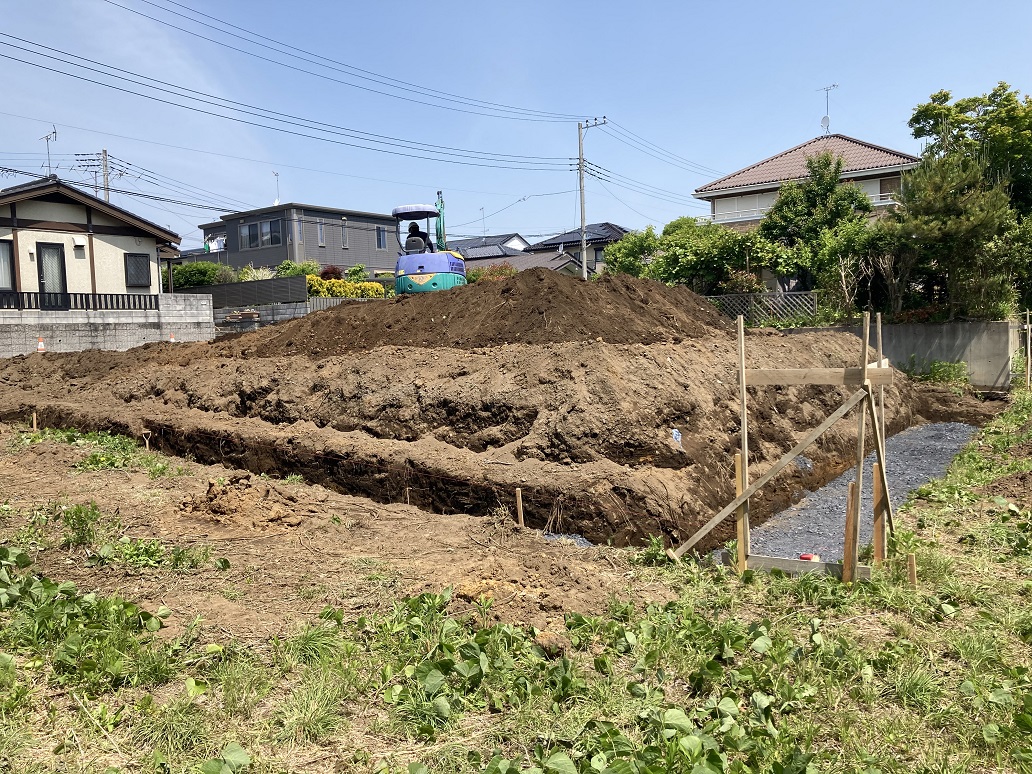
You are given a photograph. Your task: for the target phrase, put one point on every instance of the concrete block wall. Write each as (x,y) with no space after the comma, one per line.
(986,347)
(274,313)
(188,318)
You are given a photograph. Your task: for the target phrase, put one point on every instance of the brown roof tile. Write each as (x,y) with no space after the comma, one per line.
(791,164)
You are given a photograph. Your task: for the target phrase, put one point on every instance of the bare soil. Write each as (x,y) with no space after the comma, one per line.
(569,391)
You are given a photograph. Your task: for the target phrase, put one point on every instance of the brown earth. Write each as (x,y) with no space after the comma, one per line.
(294,548)
(579,418)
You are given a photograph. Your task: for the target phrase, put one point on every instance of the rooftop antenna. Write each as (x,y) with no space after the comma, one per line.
(48,138)
(483,225)
(826,121)
(276,203)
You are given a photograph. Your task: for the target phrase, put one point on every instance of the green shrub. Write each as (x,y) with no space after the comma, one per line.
(290,269)
(357,273)
(192,275)
(334,288)
(251,273)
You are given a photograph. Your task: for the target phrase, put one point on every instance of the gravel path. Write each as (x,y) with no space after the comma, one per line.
(815,524)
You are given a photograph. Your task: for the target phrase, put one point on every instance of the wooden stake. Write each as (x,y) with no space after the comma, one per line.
(912,570)
(849,548)
(786,459)
(881,388)
(879,515)
(35,425)
(742,465)
(1028,352)
(852,543)
(407,501)
(879,448)
(519,507)
(741,517)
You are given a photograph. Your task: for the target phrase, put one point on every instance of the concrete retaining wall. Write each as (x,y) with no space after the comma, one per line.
(986,347)
(188,318)
(274,313)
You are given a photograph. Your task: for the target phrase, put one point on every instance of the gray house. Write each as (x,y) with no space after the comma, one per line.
(302,232)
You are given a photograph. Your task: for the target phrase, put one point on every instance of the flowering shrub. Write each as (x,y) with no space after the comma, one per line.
(336,288)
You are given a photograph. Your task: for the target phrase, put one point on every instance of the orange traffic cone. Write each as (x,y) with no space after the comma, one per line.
(41,347)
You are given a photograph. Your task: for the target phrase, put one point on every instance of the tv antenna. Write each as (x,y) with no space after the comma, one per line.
(48,138)
(826,121)
(276,203)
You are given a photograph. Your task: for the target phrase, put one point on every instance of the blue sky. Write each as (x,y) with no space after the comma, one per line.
(719,85)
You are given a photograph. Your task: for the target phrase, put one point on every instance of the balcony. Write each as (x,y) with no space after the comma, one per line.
(878,200)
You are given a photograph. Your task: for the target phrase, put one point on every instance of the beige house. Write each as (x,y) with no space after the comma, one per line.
(741,199)
(58,241)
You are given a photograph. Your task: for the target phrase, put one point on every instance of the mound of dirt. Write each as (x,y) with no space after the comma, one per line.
(538,306)
(254,503)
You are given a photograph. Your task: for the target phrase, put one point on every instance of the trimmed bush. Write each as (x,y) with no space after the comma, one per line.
(334,288)
(192,275)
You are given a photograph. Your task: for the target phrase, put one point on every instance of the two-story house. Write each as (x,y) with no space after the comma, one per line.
(741,199)
(302,232)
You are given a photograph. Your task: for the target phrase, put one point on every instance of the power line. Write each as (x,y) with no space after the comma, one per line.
(522,199)
(601,173)
(279,164)
(273,115)
(625,204)
(222,44)
(624,130)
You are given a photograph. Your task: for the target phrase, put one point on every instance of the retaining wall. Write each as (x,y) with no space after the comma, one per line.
(986,347)
(189,318)
(274,313)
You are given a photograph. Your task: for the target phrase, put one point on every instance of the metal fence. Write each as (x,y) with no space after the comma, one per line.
(757,308)
(281,290)
(61,302)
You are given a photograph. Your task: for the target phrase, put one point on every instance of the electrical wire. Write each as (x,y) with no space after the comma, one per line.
(632,137)
(271,115)
(625,204)
(223,44)
(278,164)
(522,199)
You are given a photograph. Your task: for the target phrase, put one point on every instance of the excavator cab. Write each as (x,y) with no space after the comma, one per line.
(421,268)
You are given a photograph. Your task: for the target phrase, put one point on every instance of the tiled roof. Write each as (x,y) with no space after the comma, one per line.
(481,241)
(477,252)
(596,232)
(54,185)
(791,164)
(524,261)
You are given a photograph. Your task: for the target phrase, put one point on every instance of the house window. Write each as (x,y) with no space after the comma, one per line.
(270,233)
(600,255)
(137,270)
(343,232)
(249,238)
(381,238)
(6,266)
(321,228)
(888,186)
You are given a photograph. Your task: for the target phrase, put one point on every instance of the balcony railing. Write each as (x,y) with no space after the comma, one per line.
(759,212)
(77,301)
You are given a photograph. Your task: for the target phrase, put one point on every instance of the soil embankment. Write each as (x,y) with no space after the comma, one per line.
(568,390)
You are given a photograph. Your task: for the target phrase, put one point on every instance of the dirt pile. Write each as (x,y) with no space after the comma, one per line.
(538,306)
(585,428)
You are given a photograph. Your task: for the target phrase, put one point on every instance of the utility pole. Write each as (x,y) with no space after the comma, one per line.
(107,182)
(583,217)
(581,128)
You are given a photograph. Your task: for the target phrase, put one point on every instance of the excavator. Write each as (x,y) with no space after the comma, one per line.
(423,265)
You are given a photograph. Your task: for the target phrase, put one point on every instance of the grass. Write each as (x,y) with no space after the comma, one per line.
(730,674)
(108,451)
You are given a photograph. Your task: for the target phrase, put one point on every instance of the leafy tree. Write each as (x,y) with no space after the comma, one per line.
(633,253)
(996,127)
(950,233)
(805,213)
(195,274)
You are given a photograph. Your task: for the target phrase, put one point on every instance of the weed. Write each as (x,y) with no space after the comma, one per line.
(80,524)
(313,709)
(653,554)
(295,478)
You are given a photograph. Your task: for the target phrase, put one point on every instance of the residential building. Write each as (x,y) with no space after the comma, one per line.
(58,240)
(599,236)
(302,232)
(510,241)
(741,199)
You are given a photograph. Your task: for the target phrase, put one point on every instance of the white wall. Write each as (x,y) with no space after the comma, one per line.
(109,251)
